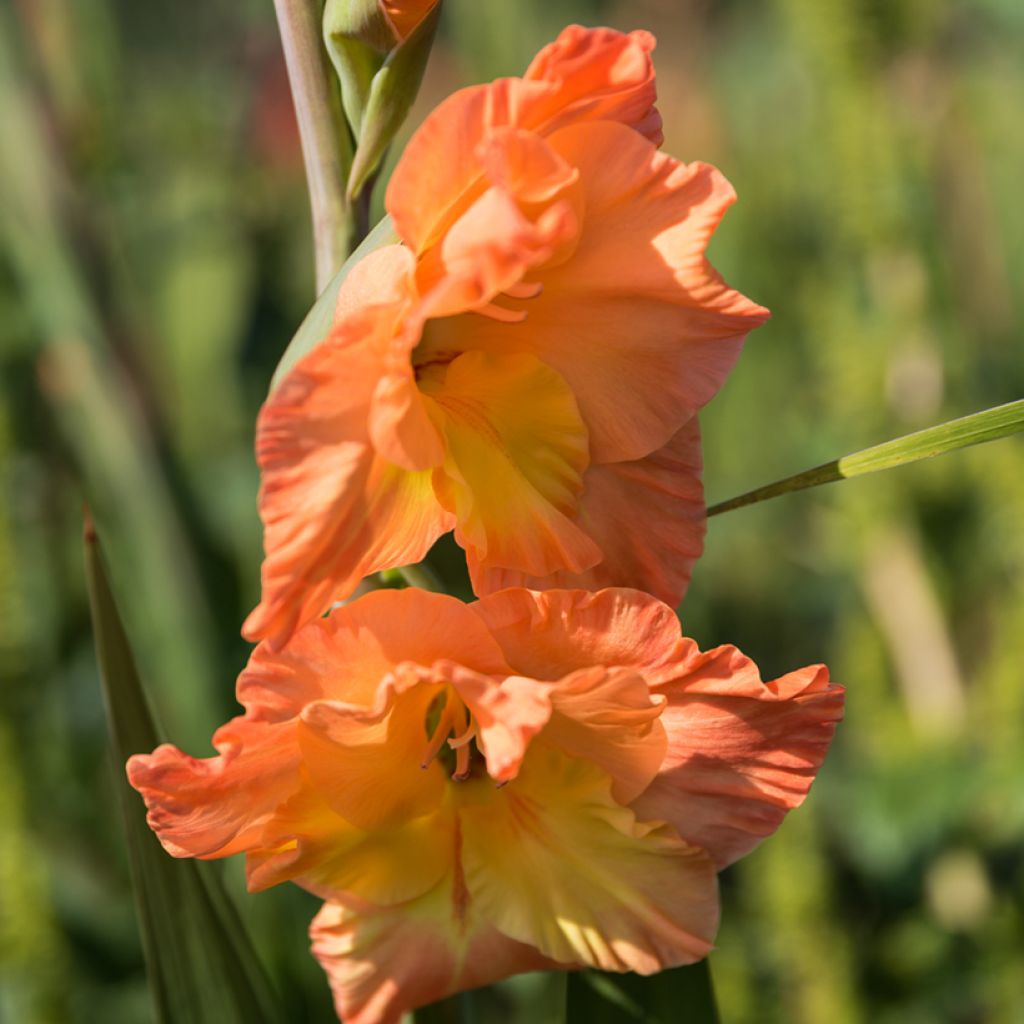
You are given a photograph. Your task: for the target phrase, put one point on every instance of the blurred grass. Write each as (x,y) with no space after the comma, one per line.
(155,261)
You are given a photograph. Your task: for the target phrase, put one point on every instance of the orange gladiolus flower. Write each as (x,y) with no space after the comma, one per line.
(535,780)
(526,368)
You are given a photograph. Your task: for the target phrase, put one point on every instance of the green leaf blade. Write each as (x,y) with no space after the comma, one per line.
(679,994)
(978,428)
(202,967)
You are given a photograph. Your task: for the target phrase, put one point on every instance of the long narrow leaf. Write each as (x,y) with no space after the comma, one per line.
(988,425)
(680,994)
(202,968)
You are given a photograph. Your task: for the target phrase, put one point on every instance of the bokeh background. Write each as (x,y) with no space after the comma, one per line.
(155,258)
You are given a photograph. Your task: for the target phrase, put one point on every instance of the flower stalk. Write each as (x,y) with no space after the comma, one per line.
(326,146)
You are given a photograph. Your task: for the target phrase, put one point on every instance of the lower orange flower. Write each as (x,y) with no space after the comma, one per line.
(534,780)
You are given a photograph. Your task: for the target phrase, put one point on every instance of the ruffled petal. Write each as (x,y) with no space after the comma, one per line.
(214,807)
(548,635)
(217,806)
(553,861)
(363,747)
(383,962)
(382,286)
(609,718)
(506,714)
(488,250)
(648,518)
(385,629)
(306,842)
(585,74)
(741,752)
(333,510)
(367,764)
(602,75)
(516,451)
(637,321)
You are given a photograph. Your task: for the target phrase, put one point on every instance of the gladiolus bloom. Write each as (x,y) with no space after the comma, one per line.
(535,780)
(525,368)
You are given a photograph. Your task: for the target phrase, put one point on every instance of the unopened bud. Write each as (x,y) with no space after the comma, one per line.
(379,49)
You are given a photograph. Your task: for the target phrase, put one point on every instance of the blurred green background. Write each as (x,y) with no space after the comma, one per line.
(155,258)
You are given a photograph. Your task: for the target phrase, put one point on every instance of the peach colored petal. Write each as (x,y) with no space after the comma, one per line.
(368,765)
(383,962)
(516,453)
(352,660)
(214,807)
(488,250)
(603,75)
(647,517)
(741,752)
(399,427)
(609,718)
(306,842)
(638,312)
(401,430)
(584,74)
(553,861)
(333,511)
(548,635)
(507,714)
(388,629)
(524,166)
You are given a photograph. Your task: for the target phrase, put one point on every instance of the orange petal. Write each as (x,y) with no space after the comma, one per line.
(602,75)
(487,251)
(214,807)
(383,962)
(363,749)
(400,426)
(585,74)
(333,511)
(306,842)
(608,717)
(217,806)
(548,635)
(378,299)
(370,637)
(516,452)
(508,714)
(553,861)
(637,321)
(654,552)
(741,752)
(367,764)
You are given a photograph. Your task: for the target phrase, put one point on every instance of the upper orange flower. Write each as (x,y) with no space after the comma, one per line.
(535,780)
(526,368)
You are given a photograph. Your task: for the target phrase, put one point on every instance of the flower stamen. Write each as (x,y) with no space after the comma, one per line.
(438,736)
(502,315)
(524,290)
(461,764)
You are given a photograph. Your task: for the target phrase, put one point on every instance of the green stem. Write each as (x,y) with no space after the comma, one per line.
(421,576)
(326,146)
(988,425)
